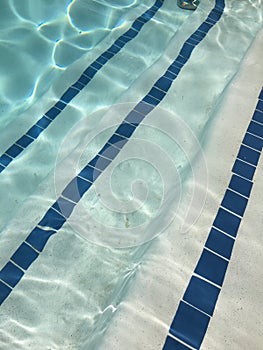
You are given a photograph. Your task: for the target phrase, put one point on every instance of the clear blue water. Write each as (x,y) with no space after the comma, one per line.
(66,299)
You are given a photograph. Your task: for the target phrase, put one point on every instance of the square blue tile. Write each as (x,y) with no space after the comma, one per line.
(202,295)
(143,108)
(175,70)
(117,141)
(1,168)
(11,274)
(90,72)
(4,292)
(44,122)
(170,75)
(131,33)
(69,95)
(253,141)
(151,100)
(256,129)
(220,243)
(137,25)
(108,54)
(259,106)
(102,60)
(5,159)
(227,222)
(172,344)
(205,27)
(244,169)
(125,130)
(211,267)
(83,79)
(100,162)
(234,202)
(156,93)
(52,219)
(38,238)
(64,206)
(76,189)
(134,118)
(186,50)
(109,151)
(163,84)
(24,141)
(24,256)
(248,155)
(14,151)
(35,131)
(53,112)
(97,65)
(241,185)
(78,85)
(61,105)
(189,325)
(258,116)
(89,173)
(261,95)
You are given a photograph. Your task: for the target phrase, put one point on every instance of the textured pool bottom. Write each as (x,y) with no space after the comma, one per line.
(29,282)
(199,300)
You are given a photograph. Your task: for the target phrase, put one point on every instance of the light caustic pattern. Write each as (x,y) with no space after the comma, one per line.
(134,198)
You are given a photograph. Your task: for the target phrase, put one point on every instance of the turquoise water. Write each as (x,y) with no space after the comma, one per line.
(66,299)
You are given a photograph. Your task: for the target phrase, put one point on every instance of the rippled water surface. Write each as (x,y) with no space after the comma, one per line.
(68,296)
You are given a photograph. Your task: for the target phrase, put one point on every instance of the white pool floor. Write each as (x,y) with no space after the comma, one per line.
(92,289)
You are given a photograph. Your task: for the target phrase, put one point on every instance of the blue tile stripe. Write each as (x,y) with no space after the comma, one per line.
(199,300)
(33,133)
(58,213)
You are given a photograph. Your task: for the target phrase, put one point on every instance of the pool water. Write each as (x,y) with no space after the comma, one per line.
(67,297)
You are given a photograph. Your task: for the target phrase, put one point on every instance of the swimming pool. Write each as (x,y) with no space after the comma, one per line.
(72,287)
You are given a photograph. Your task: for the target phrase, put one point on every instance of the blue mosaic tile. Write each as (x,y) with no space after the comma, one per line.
(38,238)
(158,94)
(97,65)
(259,106)
(61,105)
(1,168)
(134,118)
(256,129)
(4,292)
(220,243)
(248,155)
(100,162)
(5,160)
(125,130)
(169,75)
(163,83)
(35,131)
(204,27)
(84,79)
(143,108)
(202,295)
(11,274)
(234,202)
(24,256)
(261,95)
(52,219)
(102,60)
(64,206)
(69,95)
(253,141)
(243,169)
(174,70)
(227,222)
(119,43)
(108,54)
(109,151)
(211,267)
(89,173)
(117,141)
(151,100)
(43,122)
(90,72)
(24,141)
(78,86)
(76,189)
(172,344)
(131,33)
(53,112)
(14,151)
(258,116)
(240,185)
(186,50)
(137,25)
(181,59)
(189,325)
